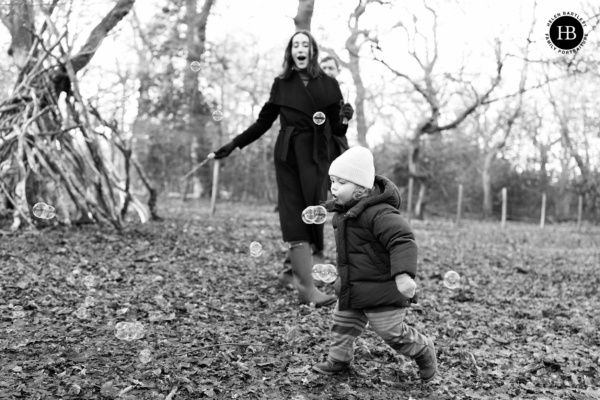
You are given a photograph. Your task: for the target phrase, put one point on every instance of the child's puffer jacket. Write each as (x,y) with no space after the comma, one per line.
(374,244)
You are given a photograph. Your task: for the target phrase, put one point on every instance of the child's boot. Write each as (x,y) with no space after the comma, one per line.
(420,348)
(331,367)
(427,362)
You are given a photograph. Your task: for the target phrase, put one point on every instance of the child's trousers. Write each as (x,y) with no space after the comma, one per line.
(387,322)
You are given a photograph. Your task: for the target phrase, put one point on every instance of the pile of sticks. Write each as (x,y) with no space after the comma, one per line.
(52,145)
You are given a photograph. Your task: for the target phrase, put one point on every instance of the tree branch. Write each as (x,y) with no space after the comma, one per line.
(84,56)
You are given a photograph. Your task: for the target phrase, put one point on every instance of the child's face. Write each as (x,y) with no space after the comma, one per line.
(342,190)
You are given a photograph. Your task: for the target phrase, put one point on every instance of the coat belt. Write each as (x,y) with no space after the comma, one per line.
(287,134)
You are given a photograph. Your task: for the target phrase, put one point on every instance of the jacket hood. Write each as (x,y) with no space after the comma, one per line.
(384,191)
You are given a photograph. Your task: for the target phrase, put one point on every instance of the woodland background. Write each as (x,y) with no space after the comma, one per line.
(101,116)
(446,93)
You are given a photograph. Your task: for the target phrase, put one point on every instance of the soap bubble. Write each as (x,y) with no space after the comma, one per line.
(320,214)
(324,272)
(314,215)
(82,313)
(18,312)
(145,356)
(129,330)
(329,273)
(255,247)
(319,118)
(89,281)
(308,215)
(316,271)
(89,302)
(195,66)
(451,280)
(43,211)
(217,115)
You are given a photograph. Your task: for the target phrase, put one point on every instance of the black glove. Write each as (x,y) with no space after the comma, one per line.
(225,150)
(346,111)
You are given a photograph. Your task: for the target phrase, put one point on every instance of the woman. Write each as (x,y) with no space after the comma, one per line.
(304,98)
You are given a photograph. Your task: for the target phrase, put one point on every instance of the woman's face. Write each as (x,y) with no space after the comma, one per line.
(301,50)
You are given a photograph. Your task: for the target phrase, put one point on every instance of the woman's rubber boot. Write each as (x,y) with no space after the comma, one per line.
(286,277)
(300,254)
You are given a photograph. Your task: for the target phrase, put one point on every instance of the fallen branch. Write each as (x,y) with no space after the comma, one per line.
(221,344)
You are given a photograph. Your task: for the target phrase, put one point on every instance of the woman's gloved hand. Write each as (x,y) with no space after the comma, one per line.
(346,111)
(406,285)
(225,150)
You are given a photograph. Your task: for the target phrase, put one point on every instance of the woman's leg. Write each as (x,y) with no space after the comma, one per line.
(301,257)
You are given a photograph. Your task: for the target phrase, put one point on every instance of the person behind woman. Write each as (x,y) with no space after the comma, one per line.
(301,96)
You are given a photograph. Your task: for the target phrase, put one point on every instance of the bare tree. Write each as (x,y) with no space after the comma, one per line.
(355,41)
(196,44)
(304,14)
(429,90)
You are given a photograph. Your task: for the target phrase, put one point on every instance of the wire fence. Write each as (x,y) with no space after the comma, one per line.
(542,209)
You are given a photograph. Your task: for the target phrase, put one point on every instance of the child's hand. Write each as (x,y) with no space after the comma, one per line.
(406,285)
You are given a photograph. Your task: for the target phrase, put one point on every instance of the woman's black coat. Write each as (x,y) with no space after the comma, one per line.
(301,150)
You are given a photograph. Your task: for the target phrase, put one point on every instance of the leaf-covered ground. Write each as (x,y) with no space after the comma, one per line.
(524,324)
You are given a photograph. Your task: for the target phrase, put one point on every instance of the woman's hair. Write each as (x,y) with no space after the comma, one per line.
(335,60)
(314,69)
(361,192)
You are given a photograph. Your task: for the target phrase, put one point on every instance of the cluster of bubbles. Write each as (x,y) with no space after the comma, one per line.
(44,211)
(451,280)
(255,249)
(319,118)
(129,330)
(314,215)
(217,115)
(324,272)
(195,66)
(83,312)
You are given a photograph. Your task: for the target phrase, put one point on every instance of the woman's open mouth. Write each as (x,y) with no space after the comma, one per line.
(301,58)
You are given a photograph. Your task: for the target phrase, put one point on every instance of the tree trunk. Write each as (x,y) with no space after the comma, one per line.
(196,41)
(486,182)
(304,15)
(564,197)
(359,101)
(20,17)
(414,170)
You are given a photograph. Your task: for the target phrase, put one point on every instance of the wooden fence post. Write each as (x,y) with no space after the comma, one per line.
(459,203)
(215,188)
(409,202)
(579,212)
(504,207)
(543,216)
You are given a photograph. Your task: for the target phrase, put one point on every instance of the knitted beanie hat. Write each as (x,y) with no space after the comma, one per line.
(355,165)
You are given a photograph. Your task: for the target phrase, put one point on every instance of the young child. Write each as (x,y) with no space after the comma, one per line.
(376,263)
